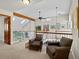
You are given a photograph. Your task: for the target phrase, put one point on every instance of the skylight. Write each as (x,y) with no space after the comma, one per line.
(22,21)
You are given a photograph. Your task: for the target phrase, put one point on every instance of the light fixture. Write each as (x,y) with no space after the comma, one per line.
(56,18)
(56,24)
(26,1)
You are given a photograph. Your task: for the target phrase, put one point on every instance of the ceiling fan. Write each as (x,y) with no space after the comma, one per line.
(40,17)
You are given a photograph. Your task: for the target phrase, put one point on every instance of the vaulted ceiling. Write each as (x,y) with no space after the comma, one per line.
(47,7)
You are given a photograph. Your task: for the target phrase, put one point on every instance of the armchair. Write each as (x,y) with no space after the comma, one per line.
(36,44)
(60,51)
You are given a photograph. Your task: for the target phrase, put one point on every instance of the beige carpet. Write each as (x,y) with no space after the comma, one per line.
(18,51)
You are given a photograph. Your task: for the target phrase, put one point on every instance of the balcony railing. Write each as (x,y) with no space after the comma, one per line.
(55,35)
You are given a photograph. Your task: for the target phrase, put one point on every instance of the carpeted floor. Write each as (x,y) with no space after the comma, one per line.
(18,51)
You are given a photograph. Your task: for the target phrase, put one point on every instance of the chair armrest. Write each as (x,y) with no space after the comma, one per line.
(62,52)
(30,41)
(62,49)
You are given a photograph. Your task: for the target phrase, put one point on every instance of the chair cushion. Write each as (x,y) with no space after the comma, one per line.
(52,49)
(66,42)
(38,39)
(36,43)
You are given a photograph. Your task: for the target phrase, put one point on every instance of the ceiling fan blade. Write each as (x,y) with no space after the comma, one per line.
(40,16)
(44,18)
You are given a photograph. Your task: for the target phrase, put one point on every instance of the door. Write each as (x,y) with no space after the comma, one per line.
(7,30)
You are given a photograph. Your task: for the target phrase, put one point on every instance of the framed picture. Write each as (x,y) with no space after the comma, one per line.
(46,27)
(38,28)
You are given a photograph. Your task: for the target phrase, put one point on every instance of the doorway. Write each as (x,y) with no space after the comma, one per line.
(5,29)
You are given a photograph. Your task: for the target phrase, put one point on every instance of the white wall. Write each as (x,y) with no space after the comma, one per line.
(74,54)
(1,28)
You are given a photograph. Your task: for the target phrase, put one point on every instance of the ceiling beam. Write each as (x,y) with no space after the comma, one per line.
(23,16)
(3,15)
